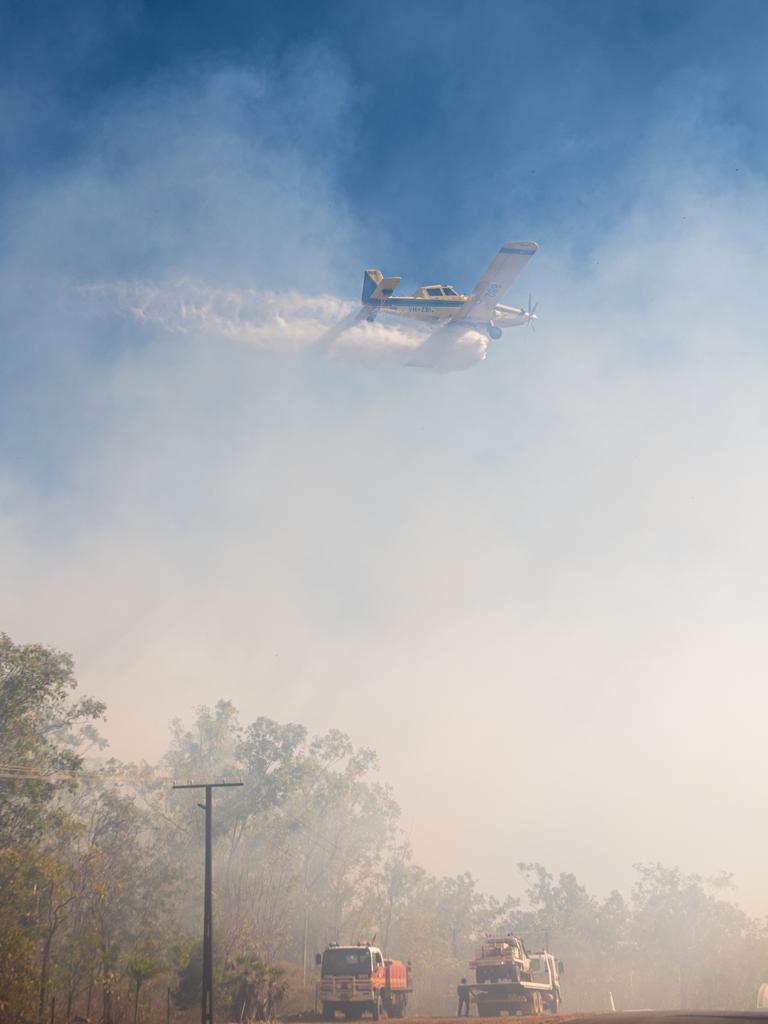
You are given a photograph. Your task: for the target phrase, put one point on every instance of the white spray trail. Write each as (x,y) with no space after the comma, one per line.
(267,320)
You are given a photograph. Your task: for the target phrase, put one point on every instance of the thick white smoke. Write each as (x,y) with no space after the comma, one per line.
(468,348)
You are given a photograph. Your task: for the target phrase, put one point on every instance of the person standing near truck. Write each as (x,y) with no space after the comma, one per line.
(462,991)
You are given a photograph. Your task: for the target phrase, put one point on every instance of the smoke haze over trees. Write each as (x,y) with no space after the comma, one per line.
(101,871)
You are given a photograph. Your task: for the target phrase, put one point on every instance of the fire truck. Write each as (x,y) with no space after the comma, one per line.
(359,979)
(511,980)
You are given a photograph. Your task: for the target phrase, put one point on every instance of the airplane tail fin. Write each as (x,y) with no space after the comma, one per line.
(376,287)
(371,281)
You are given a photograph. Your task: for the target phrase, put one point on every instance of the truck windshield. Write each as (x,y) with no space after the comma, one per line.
(344,962)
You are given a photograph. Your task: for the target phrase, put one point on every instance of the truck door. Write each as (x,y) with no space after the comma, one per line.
(378,967)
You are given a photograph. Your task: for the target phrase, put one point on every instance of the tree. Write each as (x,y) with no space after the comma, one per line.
(43,736)
(18,959)
(41,730)
(697,948)
(141,967)
(256,990)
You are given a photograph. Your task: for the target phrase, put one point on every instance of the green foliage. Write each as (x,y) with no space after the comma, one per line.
(255,991)
(189,987)
(40,728)
(18,973)
(18,960)
(141,966)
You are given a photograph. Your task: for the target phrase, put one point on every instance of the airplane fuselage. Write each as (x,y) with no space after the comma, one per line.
(434,310)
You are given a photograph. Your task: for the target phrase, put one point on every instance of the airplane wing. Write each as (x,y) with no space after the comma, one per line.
(450,348)
(509,261)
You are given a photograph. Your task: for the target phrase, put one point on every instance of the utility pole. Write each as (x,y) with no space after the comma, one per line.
(207,994)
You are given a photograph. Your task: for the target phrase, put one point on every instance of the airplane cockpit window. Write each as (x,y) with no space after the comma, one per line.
(434,291)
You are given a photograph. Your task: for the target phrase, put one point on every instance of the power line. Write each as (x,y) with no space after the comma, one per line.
(26,771)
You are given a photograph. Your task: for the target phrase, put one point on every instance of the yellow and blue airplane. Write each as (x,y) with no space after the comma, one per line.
(453,314)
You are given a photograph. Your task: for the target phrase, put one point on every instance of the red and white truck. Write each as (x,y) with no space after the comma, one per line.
(359,979)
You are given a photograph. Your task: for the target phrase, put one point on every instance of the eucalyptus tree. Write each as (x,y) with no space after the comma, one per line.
(44,734)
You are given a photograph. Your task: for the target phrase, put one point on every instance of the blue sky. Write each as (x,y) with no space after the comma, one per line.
(199,505)
(450,119)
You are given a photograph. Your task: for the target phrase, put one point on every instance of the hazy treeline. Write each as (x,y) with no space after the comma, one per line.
(101,873)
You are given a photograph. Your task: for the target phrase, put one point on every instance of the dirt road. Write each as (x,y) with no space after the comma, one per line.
(634,1017)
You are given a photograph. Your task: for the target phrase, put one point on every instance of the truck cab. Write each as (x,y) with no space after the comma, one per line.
(544,971)
(358,979)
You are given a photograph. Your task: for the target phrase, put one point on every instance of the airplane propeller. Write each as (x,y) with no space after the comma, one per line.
(530,313)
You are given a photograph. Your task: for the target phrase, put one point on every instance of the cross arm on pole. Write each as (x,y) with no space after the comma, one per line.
(204,785)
